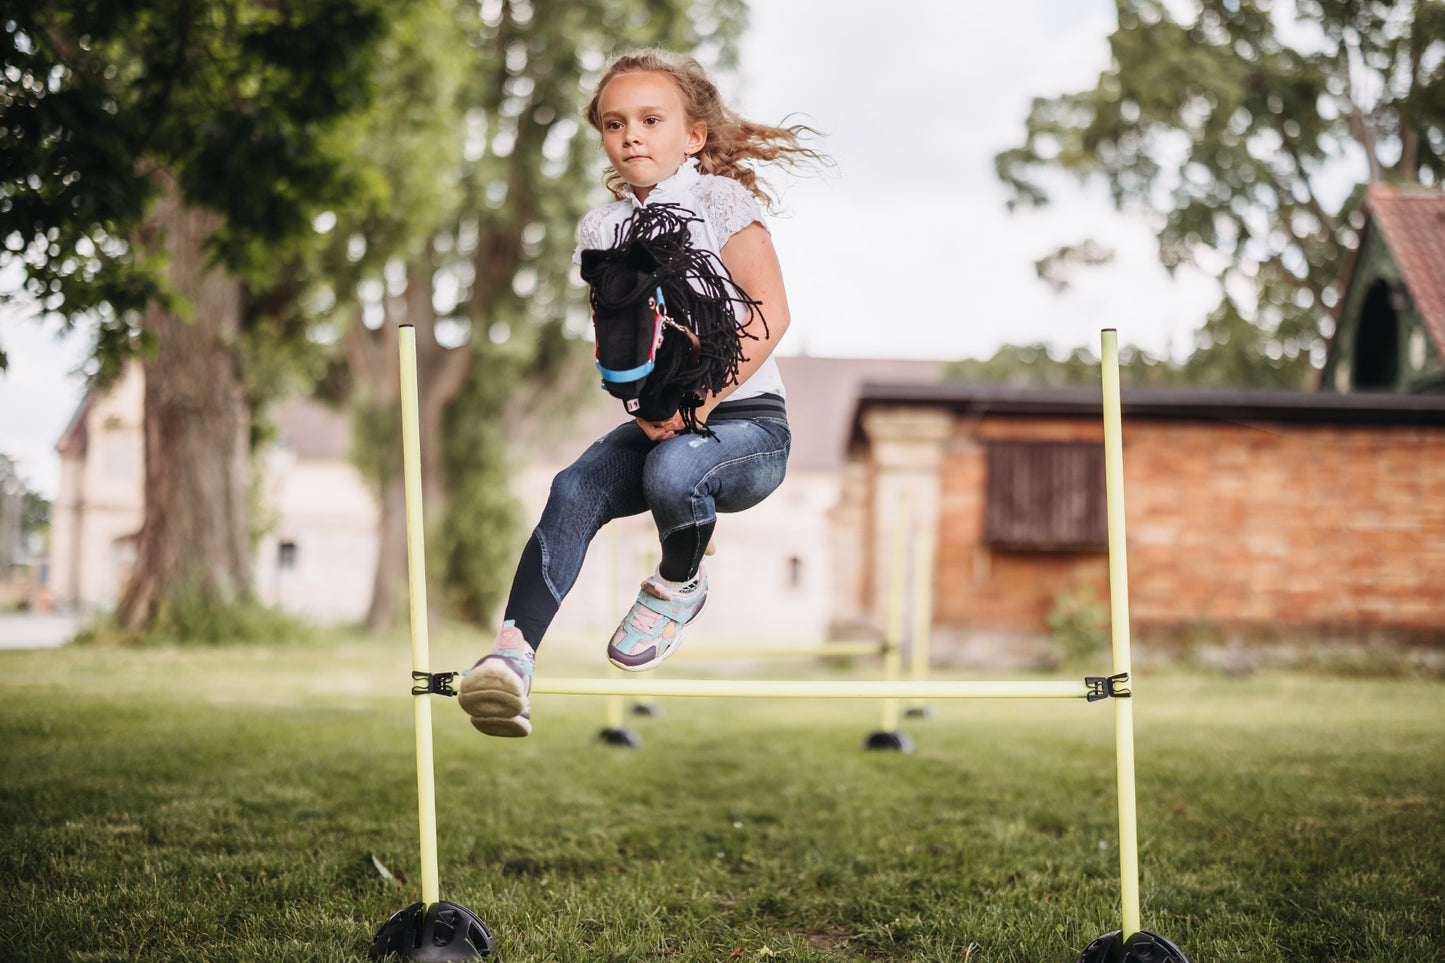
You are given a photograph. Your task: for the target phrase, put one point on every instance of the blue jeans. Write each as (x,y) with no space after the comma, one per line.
(684,481)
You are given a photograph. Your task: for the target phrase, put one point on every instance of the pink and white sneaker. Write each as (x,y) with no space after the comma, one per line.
(652,630)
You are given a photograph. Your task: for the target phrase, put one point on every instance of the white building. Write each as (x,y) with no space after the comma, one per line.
(316,559)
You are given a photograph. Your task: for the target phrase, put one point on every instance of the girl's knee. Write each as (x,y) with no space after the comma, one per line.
(571,484)
(574,495)
(663,486)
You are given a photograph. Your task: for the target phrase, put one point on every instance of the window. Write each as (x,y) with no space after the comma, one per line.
(1377,340)
(795,571)
(286,555)
(1046,496)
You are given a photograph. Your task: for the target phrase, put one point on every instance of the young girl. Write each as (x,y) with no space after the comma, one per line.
(670,141)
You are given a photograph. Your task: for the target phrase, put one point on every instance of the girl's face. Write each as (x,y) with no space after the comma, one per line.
(645,129)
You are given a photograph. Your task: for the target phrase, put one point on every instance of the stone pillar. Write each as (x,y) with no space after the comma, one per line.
(906,447)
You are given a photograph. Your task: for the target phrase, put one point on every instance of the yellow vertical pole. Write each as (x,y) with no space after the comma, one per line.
(1119,618)
(416,573)
(892,655)
(919,638)
(615,705)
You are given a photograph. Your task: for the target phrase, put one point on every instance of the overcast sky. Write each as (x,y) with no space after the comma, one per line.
(905,249)
(908,249)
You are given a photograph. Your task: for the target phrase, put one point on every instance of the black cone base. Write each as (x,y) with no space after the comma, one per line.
(889,741)
(442,932)
(1142,947)
(620,737)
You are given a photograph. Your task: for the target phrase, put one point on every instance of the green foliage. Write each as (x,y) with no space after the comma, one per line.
(479,539)
(34,508)
(1035,365)
(480,167)
(189,616)
(1235,124)
(216,805)
(231,98)
(204,130)
(1079,624)
(372,163)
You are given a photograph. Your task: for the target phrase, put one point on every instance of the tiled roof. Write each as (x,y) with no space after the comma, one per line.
(1412,222)
(1234,405)
(823,393)
(312,430)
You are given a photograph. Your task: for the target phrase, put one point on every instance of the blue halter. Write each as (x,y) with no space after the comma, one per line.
(614,376)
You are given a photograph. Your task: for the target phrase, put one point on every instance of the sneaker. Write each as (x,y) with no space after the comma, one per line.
(653,628)
(494,691)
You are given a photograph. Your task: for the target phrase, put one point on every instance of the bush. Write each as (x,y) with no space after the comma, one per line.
(1078,622)
(192,620)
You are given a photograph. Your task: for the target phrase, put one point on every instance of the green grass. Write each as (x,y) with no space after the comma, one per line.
(226,805)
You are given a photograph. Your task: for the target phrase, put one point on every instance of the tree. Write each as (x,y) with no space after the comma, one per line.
(1246,130)
(159,157)
(449,206)
(1033,365)
(23,514)
(477,139)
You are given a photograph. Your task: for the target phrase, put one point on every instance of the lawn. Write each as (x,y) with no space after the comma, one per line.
(234,804)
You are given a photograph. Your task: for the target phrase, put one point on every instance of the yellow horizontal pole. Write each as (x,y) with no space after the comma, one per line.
(810,689)
(784,652)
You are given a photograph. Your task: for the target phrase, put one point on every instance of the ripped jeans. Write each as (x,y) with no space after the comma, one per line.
(684,481)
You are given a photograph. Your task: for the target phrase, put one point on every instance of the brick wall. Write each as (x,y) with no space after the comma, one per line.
(1336,529)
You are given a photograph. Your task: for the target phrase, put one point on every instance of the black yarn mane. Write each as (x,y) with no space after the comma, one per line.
(653,249)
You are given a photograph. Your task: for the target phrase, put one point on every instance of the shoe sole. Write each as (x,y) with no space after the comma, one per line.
(492,695)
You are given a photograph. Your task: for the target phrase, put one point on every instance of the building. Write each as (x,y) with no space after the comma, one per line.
(318,553)
(1252,517)
(1390,322)
(98,507)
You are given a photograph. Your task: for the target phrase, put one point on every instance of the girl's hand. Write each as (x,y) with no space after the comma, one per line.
(661,430)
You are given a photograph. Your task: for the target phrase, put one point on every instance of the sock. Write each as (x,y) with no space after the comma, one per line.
(510,633)
(677,589)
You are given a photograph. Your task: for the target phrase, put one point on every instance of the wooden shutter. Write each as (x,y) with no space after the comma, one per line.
(1046,496)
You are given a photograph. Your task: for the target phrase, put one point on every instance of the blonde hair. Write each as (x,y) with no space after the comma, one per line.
(731,139)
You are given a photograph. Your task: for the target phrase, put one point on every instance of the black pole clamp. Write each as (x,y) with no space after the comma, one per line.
(433,683)
(1107,687)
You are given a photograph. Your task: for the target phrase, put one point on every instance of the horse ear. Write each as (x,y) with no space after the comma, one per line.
(592,260)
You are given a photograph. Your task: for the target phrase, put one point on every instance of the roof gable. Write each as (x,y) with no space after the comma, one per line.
(1412,222)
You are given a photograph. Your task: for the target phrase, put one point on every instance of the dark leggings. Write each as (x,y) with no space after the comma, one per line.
(532,606)
(684,482)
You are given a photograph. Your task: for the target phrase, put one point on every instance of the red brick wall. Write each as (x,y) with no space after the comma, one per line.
(1268,526)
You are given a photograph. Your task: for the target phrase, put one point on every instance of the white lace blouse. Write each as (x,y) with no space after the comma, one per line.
(724,206)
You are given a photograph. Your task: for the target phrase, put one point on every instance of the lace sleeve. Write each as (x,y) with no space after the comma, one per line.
(593,231)
(730,207)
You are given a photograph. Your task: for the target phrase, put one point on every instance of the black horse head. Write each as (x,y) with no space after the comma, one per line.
(665,318)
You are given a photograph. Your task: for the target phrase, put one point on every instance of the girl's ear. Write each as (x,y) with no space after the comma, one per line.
(696,137)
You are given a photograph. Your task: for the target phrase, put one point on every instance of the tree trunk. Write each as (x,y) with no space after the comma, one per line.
(194,543)
(441,373)
(391,562)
